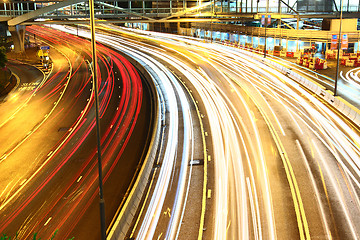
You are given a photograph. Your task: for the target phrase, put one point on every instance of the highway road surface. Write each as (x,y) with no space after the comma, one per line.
(278,163)
(283,165)
(48,151)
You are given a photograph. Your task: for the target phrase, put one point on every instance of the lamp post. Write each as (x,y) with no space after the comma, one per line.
(266,20)
(338,51)
(94,73)
(211,26)
(265,37)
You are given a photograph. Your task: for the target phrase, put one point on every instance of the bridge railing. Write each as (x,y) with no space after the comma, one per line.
(162,8)
(20,8)
(81,10)
(292,34)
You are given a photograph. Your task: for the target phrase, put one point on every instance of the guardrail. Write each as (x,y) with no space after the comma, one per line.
(339,104)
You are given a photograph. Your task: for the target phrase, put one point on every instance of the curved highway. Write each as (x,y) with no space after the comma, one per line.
(49,145)
(284,165)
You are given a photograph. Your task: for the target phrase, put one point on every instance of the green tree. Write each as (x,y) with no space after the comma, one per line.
(3,58)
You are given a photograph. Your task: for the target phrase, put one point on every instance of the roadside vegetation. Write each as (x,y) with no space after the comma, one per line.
(34,237)
(3,59)
(4,72)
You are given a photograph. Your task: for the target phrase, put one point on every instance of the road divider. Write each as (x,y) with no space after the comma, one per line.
(124,220)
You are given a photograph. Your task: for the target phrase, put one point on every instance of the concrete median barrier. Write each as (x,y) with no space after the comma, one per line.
(128,211)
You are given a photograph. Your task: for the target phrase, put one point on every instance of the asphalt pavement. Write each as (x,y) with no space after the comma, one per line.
(49,143)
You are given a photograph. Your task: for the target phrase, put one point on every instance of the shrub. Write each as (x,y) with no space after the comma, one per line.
(3,58)
(5,237)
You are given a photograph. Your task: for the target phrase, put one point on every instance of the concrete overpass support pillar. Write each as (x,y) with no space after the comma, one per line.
(287,45)
(18,36)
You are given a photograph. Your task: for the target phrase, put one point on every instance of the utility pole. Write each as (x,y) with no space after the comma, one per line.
(211,26)
(338,51)
(265,37)
(94,73)
(266,20)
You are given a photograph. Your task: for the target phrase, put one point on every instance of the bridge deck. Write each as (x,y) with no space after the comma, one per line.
(125,9)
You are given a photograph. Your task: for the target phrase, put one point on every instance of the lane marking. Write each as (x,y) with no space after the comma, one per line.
(203,135)
(168,212)
(295,192)
(338,191)
(209,193)
(48,221)
(78,180)
(253,210)
(318,198)
(228,226)
(159,236)
(23,181)
(49,157)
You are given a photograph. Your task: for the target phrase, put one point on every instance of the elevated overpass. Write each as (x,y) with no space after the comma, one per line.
(26,12)
(168,13)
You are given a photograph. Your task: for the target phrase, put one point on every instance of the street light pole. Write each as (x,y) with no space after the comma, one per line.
(94,73)
(211,27)
(338,51)
(265,37)
(266,20)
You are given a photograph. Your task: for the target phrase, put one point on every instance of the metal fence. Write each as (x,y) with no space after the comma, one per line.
(304,35)
(164,8)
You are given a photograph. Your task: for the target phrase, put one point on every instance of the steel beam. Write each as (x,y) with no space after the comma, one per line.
(38,12)
(124,10)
